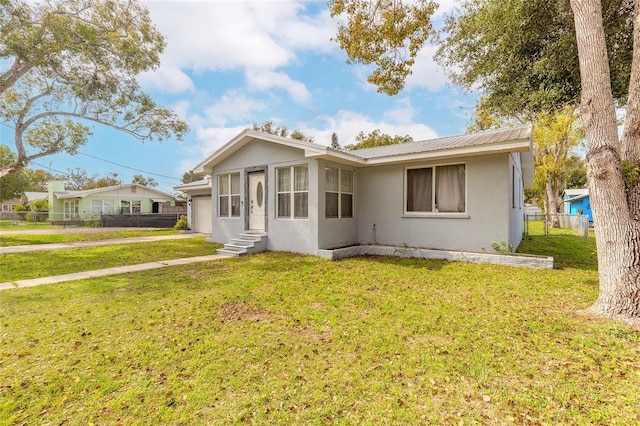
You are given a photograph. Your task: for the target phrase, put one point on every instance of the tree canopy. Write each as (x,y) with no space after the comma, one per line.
(192,176)
(270,127)
(522,54)
(12,186)
(386,33)
(334,142)
(72,64)
(144,181)
(376,138)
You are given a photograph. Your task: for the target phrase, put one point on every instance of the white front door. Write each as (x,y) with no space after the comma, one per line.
(256,201)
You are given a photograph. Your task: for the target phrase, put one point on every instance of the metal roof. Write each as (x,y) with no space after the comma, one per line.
(451,142)
(87,192)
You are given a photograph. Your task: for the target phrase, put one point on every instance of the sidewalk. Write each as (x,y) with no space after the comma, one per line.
(108,271)
(101,272)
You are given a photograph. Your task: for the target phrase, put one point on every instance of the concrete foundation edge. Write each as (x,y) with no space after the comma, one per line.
(517,260)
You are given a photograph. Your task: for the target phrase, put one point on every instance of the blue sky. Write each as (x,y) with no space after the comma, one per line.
(229,64)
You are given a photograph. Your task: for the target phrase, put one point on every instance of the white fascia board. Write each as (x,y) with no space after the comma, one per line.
(247,136)
(338,157)
(522,145)
(193,189)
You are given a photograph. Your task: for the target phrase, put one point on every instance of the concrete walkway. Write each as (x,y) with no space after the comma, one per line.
(108,271)
(100,272)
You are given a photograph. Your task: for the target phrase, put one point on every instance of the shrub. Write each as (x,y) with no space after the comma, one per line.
(36,217)
(181,223)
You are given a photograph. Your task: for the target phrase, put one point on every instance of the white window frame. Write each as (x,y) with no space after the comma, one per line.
(292,192)
(71,209)
(340,192)
(106,207)
(228,197)
(434,212)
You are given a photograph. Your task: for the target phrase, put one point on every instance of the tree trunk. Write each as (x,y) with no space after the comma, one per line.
(617,234)
(551,204)
(631,134)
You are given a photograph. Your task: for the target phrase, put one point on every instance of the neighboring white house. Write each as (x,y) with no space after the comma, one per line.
(199,204)
(92,203)
(454,193)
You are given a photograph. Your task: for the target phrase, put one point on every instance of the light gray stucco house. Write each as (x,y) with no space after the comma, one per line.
(454,193)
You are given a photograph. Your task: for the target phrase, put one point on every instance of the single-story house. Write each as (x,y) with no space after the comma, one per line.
(576,201)
(453,193)
(199,204)
(90,204)
(27,197)
(9,205)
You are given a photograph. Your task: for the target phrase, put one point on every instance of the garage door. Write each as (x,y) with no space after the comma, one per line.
(202,212)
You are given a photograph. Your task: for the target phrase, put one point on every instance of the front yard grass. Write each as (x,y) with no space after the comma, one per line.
(277,338)
(13,225)
(20,266)
(102,234)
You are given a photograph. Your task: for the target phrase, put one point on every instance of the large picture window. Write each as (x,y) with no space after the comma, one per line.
(338,188)
(99,207)
(130,207)
(229,195)
(292,191)
(436,189)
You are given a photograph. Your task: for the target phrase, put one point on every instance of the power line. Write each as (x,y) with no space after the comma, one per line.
(46,167)
(106,161)
(127,167)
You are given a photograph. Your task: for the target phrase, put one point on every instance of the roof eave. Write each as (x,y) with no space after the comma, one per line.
(247,136)
(519,145)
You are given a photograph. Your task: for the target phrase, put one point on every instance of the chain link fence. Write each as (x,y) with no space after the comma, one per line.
(569,224)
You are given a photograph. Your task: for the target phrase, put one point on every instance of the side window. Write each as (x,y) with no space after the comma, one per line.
(338,193)
(437,189)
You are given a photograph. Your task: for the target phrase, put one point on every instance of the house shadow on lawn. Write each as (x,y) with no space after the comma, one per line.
(568,251)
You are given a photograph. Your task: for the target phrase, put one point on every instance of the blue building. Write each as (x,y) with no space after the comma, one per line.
(576,201)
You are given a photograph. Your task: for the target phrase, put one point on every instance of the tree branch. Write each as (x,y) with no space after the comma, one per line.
(13,74)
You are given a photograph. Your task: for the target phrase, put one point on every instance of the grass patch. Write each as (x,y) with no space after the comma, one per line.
(568,251)
(13,225)
(277,338)
(19,266)
(26,239)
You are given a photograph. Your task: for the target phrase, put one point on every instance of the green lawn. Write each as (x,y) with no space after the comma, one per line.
(106,234)
(278,338)
(12,225)
(19,266)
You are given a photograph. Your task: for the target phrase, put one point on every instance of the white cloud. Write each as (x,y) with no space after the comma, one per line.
(234,105)
(168,80)
(348,124)
(231,35)
(402,113)
(262,80)
(445,7)
(426,73)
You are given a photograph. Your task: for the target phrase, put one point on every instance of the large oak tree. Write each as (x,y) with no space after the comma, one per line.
(71,64)
(536,55)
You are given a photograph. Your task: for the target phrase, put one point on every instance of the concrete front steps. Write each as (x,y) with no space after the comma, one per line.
(245,243)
